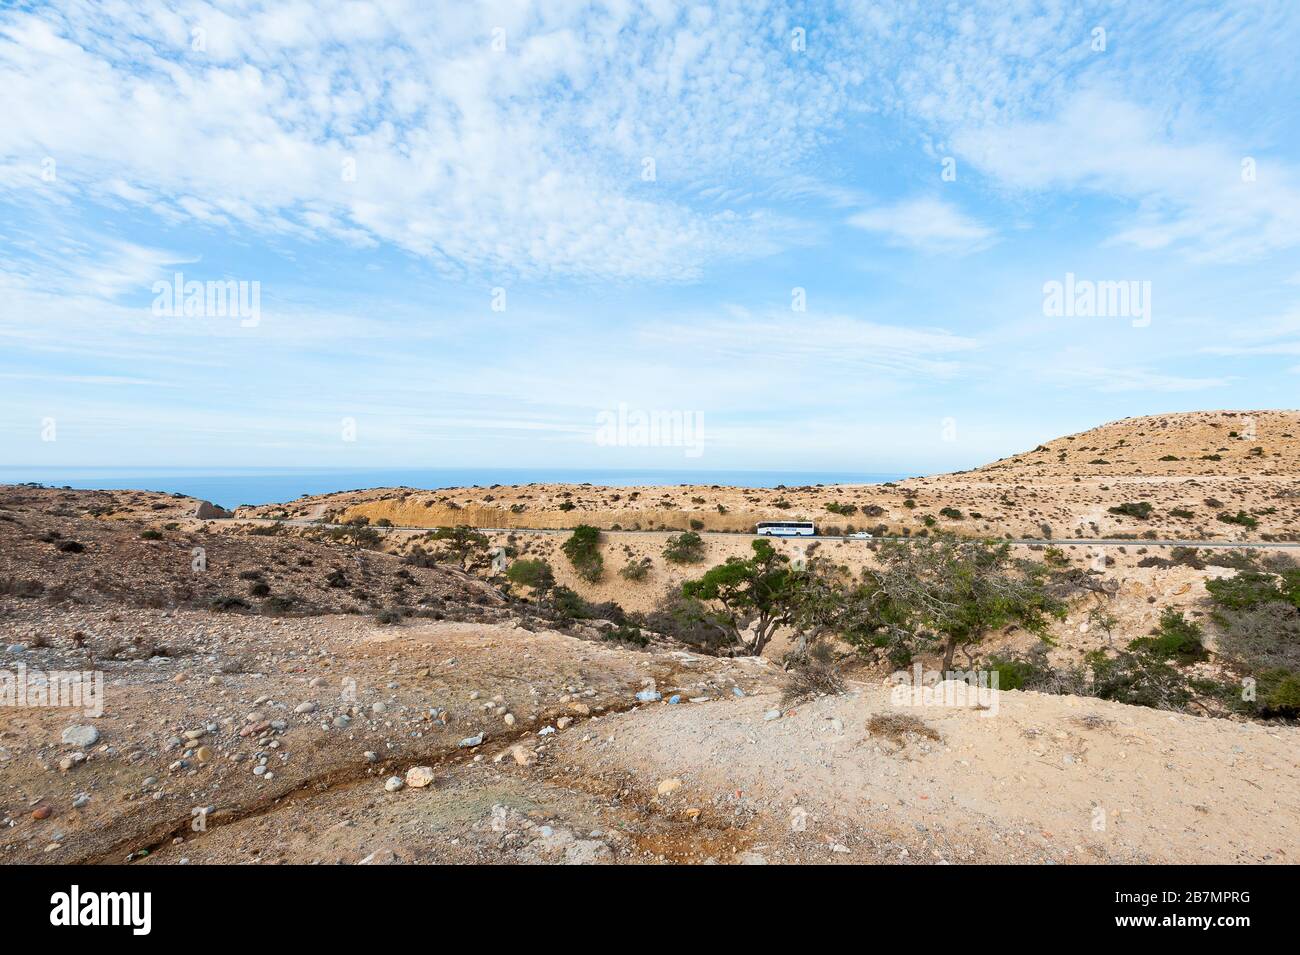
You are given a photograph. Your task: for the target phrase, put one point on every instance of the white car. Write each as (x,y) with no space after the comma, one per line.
(859,536)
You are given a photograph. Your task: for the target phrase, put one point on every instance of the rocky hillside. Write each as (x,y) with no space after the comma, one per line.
(1222,444)
(1193,476)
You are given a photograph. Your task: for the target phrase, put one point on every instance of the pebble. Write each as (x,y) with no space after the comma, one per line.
(471,741)
(394,784)
(80,736)
(42,812)
(772,715)
(309,706)
(649,696)
(669,786)
(417,777)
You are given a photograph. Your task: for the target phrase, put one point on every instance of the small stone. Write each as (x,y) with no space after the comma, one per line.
(471,741)
(509,719)
(564,722)
(82,736)
(772,715)
(393,784)
(42,812)
(308,706)
(203,754)
(669,786)
(71,760)
(522,755)
(417,777)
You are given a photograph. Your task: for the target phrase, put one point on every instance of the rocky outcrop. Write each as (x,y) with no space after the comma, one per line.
(207,511)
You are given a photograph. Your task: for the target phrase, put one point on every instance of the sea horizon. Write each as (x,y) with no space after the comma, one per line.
(235,486)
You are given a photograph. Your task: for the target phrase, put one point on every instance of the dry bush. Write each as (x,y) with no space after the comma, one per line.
(816,673)
(899,727)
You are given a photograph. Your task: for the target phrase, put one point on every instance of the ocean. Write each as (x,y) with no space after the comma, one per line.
(230,487)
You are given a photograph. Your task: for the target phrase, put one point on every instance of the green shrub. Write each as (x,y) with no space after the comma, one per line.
(636,570)
(1241,518)
(624,633)
(151,535)
(1139,509)
(685,548)
(582,550)
(1177,639)
(1246,589)
(1284,697)
(534,573)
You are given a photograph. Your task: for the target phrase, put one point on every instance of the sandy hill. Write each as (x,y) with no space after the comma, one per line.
(1227,475)
(1196,443)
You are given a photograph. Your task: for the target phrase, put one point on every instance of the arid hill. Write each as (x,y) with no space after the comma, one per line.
(1193,476)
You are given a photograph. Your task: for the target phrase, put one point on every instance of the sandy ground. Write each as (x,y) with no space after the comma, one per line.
(269,729)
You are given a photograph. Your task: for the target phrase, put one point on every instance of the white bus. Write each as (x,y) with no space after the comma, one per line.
(786,528)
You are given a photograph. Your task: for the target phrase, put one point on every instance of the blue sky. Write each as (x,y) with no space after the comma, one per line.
(385,171)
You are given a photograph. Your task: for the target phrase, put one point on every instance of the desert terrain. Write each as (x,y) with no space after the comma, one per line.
(291,683)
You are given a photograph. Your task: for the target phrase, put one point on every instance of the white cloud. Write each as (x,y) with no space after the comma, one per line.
(928,224)
(1185,195)
(1111,380)
(526,161)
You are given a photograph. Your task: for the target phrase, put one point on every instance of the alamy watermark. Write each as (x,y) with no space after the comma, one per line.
(1084,298)
(226,298)
(622,427)
(967,689)
(58,689)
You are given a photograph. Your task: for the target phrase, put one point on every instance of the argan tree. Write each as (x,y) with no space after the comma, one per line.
(957,591)
(753,595)
(461,544)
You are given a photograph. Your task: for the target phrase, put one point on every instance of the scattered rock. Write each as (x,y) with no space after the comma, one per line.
(81,735)
(417,777)
(669,786)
